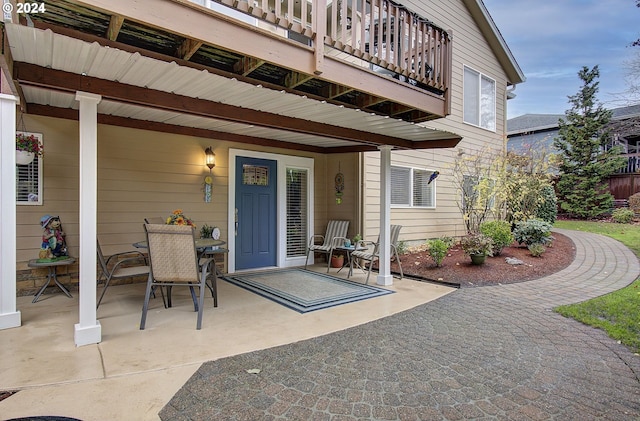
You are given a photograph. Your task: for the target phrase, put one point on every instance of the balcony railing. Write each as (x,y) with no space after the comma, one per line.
(377,34)
(633,164)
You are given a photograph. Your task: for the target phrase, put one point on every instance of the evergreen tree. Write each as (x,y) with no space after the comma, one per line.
(586,158)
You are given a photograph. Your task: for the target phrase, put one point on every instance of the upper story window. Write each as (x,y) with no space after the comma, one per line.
(479,99)
(410,187)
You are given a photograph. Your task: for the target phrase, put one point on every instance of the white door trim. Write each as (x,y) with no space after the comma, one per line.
(283,162)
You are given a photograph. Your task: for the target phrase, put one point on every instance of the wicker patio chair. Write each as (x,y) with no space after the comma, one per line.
(155,220)
(174,262)
(333,237)
(115,267)
(372,253)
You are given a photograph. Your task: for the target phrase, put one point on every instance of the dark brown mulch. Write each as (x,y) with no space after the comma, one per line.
(457,269)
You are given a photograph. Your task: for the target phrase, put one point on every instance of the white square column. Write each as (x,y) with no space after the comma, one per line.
(9,316)
(384,261)
(88,330)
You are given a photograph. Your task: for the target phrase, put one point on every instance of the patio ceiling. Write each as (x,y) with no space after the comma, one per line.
(142,91)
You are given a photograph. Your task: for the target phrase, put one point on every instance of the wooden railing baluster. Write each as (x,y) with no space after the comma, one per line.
(377,31)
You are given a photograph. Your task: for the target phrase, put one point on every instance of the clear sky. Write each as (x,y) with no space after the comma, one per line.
(553,39)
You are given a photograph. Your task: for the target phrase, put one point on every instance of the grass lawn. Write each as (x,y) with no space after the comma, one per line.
(627,234)
(617,313)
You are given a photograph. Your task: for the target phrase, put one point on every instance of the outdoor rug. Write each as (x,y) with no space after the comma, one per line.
(304,290)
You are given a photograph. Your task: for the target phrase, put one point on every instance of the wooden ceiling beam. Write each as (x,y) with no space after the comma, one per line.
(365,101)
(188,48)
(34,75)
(115,23)
(295,79)
(71,114)
(168,59)
(335,91)
(247,65)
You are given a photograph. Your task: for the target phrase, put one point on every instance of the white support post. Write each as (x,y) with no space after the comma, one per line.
(9,316)
(88,330)
(384,262)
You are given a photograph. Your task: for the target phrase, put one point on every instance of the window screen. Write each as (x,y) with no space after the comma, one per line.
(479,99)
(400,185)
(410,187)
(422,190)
(297,212)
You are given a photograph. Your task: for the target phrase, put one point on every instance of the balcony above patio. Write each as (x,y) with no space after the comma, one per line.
(370,55)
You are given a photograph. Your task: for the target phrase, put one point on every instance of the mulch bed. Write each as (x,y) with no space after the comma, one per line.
(457,269)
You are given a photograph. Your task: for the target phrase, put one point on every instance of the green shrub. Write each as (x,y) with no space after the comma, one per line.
(622,215)
(499,232)
(533,231)
(477,243)
(537,249)
(438,249)
(547,209)
(401,247)
(634,202)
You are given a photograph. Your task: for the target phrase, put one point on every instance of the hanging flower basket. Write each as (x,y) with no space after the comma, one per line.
(27,147)
(24,157)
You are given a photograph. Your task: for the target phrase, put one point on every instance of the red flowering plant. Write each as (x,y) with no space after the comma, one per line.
(29,143)
(178,218)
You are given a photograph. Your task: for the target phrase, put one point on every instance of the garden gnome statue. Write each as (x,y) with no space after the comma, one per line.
(53,244)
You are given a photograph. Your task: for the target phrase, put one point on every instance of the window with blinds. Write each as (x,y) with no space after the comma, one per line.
(422,190)
(297,212)
(400,185)
(410,187)
(29,182)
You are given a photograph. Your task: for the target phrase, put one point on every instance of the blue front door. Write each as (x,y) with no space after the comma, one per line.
(256,218)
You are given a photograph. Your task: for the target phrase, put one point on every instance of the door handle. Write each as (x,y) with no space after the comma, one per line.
(236,221)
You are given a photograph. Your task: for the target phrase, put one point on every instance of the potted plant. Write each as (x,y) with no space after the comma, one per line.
(337,260)
(206,231)
(27,147)
(477,246)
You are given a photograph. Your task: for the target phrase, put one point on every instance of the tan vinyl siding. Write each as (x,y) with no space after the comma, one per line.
(149,174)
(348,210)
(418,223)
(471,49)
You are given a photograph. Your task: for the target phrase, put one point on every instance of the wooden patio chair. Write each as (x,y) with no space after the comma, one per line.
(372,253)
(174,262)
(116,267)
(334,236)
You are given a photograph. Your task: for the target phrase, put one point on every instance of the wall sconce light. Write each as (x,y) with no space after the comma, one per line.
(210,161)
(210,158)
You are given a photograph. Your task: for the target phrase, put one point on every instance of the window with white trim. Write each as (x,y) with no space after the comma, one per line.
(29,179)
(479,99)
(410,187)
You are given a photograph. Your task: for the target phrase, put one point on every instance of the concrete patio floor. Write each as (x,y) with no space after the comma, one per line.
(132,374)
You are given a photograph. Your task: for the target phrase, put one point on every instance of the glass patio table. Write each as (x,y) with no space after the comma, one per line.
(201,243)
(347,262)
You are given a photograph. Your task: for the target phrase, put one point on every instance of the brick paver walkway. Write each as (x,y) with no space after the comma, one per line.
(496,352)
